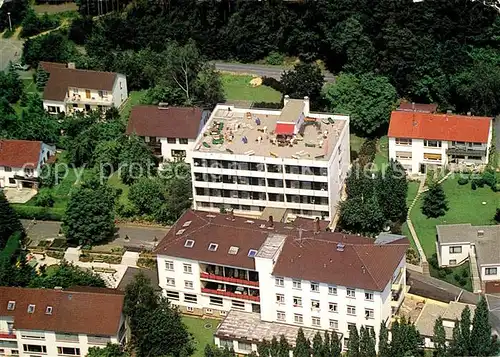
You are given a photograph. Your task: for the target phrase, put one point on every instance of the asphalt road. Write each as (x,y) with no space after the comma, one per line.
(10,50)
(260,70)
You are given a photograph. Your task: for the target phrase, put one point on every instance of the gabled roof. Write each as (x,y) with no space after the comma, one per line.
(86,311)
(166,122)
(61,78)
(305,254)
(445,127)
(20,153)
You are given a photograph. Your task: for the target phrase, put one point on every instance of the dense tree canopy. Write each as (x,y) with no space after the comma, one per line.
(67,275)
(111,350)
(9,222)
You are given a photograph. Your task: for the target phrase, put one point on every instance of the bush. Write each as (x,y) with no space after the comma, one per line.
(433,261)
(490,179)
(473,185)
(465,273)
(275,58)
(59,243)
(462,281)
(367,152)
(463,180)
(55,254)
(126,210)
(273,83)
(448,271)
(44,198)
(39,213)
(457,277)
(441,273)
(34,24)
(147,263)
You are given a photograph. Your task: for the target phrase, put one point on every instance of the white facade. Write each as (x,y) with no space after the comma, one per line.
(452,254)
(12,176)
(173,149)
(251,179)
(31,343)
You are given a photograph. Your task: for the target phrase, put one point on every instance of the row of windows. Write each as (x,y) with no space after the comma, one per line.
(314,286)
(315,321)
(259,181)
(255,166)
(174,295)
(187,268)
(436,143)
(188,284)
(316,305)
(182,141)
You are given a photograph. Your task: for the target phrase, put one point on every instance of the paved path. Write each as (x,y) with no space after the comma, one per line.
(130,259)
(10,50)
(260,70)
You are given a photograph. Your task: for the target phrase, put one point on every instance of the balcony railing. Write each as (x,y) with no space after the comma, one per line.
(465,150)
(97,340)
(11,335)
(230,294)
(79,98)
(204,275)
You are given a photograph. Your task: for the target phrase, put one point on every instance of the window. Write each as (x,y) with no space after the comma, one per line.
(297,284)
(368,295)
(11,180)
(183,141)
(169,265)
(315,287)
(14,352)
(279,282)
(316,321)
(298,318)
(369,314)
(178,153)
(243,346)
(252,253)
(11,305)
(33,335)
(334,324)
(297,301)
(188,269)
(351,310)
(172,295)
(403,155)
(100,93)
(370,329)
(315,304)
(490,271)
(332,307)
(72,351)
(403,141)
(452,262)
(222,313)
(280,298)
(7,169)
(239,305)
(190,298)
(189,308)
(233,250)
(456,249)
(215,301)
(188,284)
(351,293)
(209,311)
(213,247)
(171,140)
(432,157)
(48,310)
(280,316)
(189,242)
(332,290)
(35,348)
(432,143)
(31,309)
(226,344)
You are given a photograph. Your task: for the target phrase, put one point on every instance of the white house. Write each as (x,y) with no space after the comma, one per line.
(272,274)
(419,140)
(21,162)
(169,131)
(69,89)
(289,159)
(457,243)
(51,322)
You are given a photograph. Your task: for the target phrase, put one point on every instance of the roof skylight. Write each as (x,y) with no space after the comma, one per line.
(179,232)
(187,223)
(11,305)
(252,253)
(213,247)
(189,243)
(233,250)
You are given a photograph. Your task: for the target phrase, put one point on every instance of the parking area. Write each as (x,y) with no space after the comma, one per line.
(10,50)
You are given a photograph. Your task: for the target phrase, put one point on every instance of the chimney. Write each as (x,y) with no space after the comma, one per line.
(316,226)
(286,99)
(271,221)
(71,65)
(413,106)
(448,111)
(469,114)
(306,106)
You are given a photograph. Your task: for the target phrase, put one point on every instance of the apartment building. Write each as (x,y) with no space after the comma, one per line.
(52,322)
(21,162)
(69,89)
(293,159)
(458,243)
(169,131)
(419,140)
(271,275)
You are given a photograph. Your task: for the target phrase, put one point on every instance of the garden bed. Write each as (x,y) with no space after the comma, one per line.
(148,263)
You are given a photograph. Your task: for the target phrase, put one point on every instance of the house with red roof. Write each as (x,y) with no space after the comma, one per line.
(421,140)
(21,162)
(69,89)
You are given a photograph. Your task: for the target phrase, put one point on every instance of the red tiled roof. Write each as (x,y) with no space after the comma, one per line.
(417,107)
(284,129)
(60,78)
(19,153)
(96,312)
(439,127)
(314,257)
(171,122)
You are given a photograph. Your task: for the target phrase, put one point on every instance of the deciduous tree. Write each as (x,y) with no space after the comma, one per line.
(67,275)
(136,160)
(111,350)
(305,80)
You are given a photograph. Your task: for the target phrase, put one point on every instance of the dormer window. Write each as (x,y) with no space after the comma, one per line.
(252,253)
(31,309)
(213,247)
(189,243)
(48,310)
(11,305)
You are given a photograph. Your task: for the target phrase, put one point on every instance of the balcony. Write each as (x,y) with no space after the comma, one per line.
(466,151)
(397,281)
(8,335)
(98,340)
(75,98)
(208,276)
(229,275)
(230,294)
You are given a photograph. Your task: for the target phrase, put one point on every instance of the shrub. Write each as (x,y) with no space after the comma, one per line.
(448,271)
(463,180)
(441,273)
(433,261)
(44,198)
(275,58)
(126,210)
(457,277)
(58,243)
(473,185)
(490,179)
(273,83)
(367,152)
(85,258)
(39,213)
(465,273)
(147,263)
(55,254)
(462,281)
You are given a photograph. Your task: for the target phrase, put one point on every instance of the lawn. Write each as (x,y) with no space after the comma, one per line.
(465,206)
(201,335)
(239,88)
(356,142)
(134,98)
(115,182)
(382,155)
(412,192)
(454,275)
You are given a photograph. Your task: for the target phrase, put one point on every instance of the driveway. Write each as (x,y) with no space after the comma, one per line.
(10,50)
(14,195)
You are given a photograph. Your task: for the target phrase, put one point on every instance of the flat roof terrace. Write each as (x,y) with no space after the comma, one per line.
(252,132)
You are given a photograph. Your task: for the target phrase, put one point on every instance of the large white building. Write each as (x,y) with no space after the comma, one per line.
(21,162)
(169,131)
(50,322)
(293,159)
(419,140)
(271,275)
(69,90)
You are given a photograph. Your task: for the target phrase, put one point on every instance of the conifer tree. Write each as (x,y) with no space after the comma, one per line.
(327,352)
(302,345)
(317,346)
(392,189)
(456,347)
(9,222)
(383,342)
(434,202)
(482,343)
(465,327)
(440,348)
(335,345)
(274,347)
(263,348)
(366,343)
(283,347)
(353,344)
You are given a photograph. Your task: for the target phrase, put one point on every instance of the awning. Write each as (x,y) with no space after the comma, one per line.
(284,129)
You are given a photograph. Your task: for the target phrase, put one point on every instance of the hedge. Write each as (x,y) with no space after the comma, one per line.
(12,245)
(39,213)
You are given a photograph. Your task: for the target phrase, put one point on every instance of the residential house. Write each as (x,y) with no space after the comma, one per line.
(290,159)
(421,140)
(69,89)
(169,131)
(273,276)
(21,162)
(56,322)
